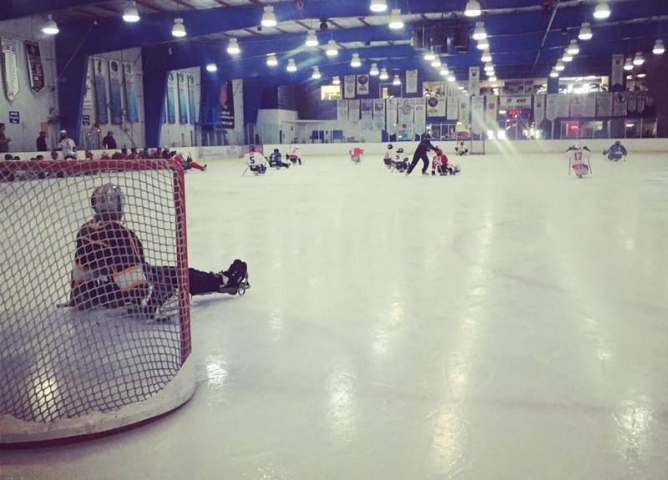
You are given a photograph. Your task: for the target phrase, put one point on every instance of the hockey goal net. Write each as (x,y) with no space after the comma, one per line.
(68,372)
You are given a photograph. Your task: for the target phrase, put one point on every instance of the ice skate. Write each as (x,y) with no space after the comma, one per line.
(234,280)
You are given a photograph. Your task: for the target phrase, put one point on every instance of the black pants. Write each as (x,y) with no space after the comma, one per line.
(164,281)
(419,155)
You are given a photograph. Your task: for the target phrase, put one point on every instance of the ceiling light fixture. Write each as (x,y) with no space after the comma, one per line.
(489,67)
(473,9)
(573,48)
(233,47)
(436,62)
(272,61)
(492,78)
(291,66)
(444,72)
(638,59)
(312,39)
(378,6)
(602,11)
(641,75)
(179,29)
(356,62)
(396,81)
(429,55)
(658,49)
(316,73)
(130,12)
(332,49)
(336,81)
(383,74)
(567,57)
(554,74)
(395,20)
(374,72)
(50,27)
(479,32)
(269,17)
(452,78)
(560,66)
(628,65)
(486,57)
(483,44)
(585,32)
(211,67)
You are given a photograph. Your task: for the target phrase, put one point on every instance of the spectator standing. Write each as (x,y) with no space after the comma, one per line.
(41,142)
(4,140)
(109,142)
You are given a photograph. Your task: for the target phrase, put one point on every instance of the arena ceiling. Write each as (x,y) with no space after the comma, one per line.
(527,37)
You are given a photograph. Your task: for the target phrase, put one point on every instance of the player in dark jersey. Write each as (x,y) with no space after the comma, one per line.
(421,154)
(110,269)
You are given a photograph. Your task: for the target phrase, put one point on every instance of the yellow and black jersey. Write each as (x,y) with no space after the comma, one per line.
(108,265)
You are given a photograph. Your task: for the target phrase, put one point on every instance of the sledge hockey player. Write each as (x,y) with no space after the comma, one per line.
(257,163)
(578,160)
(421,154)
(356,154)
(189,163)
(400,164)
(441,164)
(110,269)
(276,160)
(293,156)
(461,150)
(616,152)
(387,159)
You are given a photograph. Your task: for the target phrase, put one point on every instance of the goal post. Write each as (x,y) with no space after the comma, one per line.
(67,372)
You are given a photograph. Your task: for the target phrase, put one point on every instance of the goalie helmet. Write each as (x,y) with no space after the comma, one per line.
(108,199)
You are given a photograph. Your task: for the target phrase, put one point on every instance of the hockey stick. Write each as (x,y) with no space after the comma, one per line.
(244,173)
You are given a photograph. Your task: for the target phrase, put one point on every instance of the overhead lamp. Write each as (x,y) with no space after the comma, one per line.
(356,62)
(473,9)
(452,78)
(336,81)
(312,39)
(396,81)
(489,67)
(554,74)
(383,74)
(50,27)
(211,67)
(629,77)
(291,66)
(130,12)
(272,61)
(395,20)
(658,49)
(332,49)
(641,75)
(233,47)
(486,57)
(460,88)
(492,78)
(483,44)
(436,62)
(179,29)
(316,73)
(444,72)
(628,65)
(429,55)
(374,72)
(560,66)
(479,32)
(573,48)
(567,57)
(585,32)
(602,11)
(269,17)
(378,6)
(638,59)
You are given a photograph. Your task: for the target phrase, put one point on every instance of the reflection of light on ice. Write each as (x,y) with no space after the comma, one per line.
(342,405)
(44,397)
(216,373)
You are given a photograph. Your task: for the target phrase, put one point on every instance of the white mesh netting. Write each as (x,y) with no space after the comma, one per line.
(60,362)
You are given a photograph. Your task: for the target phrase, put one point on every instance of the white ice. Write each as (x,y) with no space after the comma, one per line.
(507,323)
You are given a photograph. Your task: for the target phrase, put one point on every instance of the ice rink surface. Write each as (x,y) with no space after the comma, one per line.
(507,323)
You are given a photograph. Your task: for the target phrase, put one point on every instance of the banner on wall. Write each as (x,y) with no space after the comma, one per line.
(10,68)
(90,86)
(642,102)
(349,86)
(226,103)
(538,108)
(617,72)
(491,112)
(192,101)
(464,109)
(477,114)
(353,110)
(391,115)
(604,104)
(515,101)
(551,106)
(619,104)
(474,81)
(452,108)
(516,87)
(367,114)
(419,115)
(379,114)
(100,78)
(132,111)
(35,66)
(563,106)
(115,93)
(183,97)
(436,106)
(411,81)
(362,85)
(342,110)
(577,106)
(590,105)
(632,102)
(171,107)
(405,118)
(434,89)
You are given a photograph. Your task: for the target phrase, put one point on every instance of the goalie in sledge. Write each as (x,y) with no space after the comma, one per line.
(441,165)
(110,269)
(578,161)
